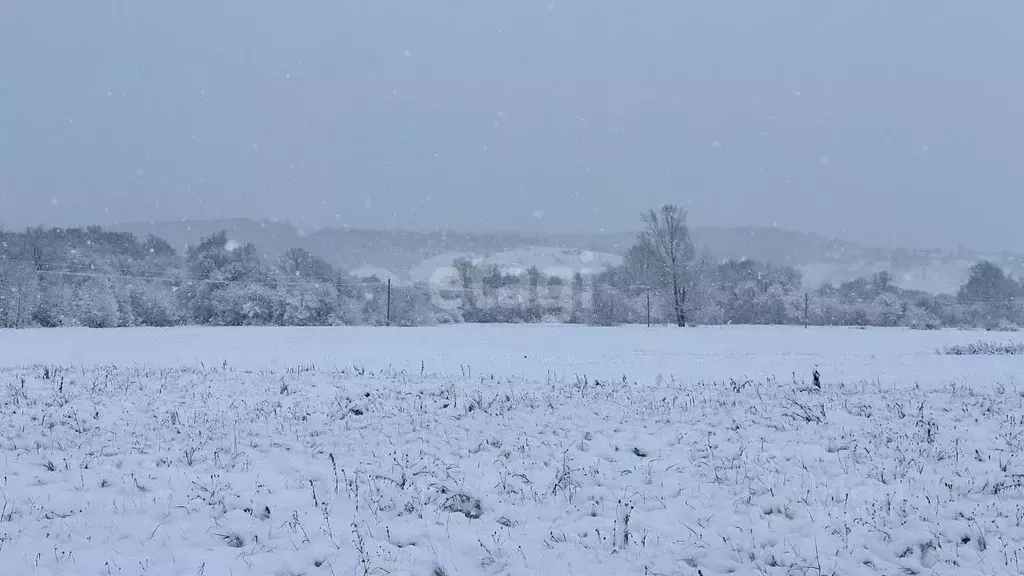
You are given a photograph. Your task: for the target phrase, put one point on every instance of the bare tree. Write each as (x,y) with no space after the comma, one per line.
(466,271)
(666,255)
(301,264)
(533,308)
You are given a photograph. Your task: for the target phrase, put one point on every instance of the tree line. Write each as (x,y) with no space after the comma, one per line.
(96,278)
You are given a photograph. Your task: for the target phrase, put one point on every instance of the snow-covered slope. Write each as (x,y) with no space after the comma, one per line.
(558,262)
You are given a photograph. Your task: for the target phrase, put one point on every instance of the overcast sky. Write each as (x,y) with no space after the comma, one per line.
(880,121)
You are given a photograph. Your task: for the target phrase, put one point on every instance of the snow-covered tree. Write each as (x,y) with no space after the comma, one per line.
(886,310)
(154,304)
(666,259)
(987,283)
(300,264)
(411,306)
(19,294)
(95,305)
(221,273)
(309,304)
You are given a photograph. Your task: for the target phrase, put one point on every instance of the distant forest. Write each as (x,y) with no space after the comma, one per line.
(95,278)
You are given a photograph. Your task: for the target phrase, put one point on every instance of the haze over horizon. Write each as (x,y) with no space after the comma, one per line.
(887,124)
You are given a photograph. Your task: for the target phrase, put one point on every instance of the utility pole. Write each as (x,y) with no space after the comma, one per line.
(388,319)
(807,309)
(648,307)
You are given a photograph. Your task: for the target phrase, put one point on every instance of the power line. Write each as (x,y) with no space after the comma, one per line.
(380,284)
(100,275)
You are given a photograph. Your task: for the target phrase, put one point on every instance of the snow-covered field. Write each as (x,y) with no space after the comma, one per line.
(518,450)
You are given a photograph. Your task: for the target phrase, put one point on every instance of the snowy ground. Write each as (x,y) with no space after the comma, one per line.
(508,450)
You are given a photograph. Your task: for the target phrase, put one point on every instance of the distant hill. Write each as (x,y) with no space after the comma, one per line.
(402,254)
(273,238)
(413,255)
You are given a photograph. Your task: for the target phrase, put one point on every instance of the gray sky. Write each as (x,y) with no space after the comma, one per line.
(880,121)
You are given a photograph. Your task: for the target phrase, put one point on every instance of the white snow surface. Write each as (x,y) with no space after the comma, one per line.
(521,450)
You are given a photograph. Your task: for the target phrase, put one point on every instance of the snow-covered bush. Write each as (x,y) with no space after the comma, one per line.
(984,349)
